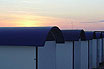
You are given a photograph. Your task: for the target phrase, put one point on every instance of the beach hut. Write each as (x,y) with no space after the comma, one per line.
(89,37)
(103,45)
(94,53)
(70,54)
(29,47)
(99,47)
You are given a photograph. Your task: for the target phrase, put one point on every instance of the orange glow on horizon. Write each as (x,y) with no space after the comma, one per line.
(29,23)
(15,20)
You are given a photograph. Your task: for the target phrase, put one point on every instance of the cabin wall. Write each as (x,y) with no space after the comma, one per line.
(64,55)
(103,49)
(94,53)
(84,54)
(100,50)
(77,55)
(17,57)
(47,56)
(90,54)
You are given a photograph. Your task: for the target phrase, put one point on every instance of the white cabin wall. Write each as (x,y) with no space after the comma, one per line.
(84,54)
(100,49)
(90,54)
(77,54)
(64,55)
(35,57)
(47,56)
(98,43)
(17,57)
(94,53)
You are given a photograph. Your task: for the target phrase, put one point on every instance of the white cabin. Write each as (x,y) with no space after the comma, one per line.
(103,45)
(29,47)
(68,55)
(99,47)
(89,37)
(94,54)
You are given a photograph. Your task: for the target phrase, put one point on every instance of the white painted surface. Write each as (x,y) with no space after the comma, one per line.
(84,54)
(90,54)
(47,56)
(77,55)
(98,43)
(103,49)
(99,50)
(17,57)
(64,55)
(94,53)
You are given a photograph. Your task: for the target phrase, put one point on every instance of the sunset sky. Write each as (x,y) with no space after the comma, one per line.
(66,14)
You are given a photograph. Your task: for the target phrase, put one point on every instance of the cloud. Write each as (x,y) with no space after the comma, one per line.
(100,21)
(90,22)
